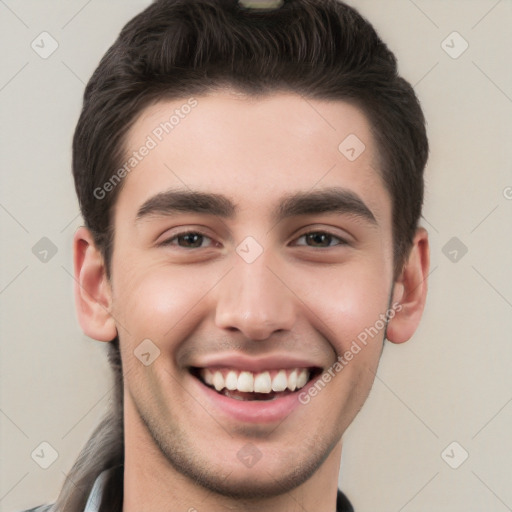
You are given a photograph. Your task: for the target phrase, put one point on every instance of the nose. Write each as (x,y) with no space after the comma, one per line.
(255,300)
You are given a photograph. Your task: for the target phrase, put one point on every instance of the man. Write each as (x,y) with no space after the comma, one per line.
(251,179)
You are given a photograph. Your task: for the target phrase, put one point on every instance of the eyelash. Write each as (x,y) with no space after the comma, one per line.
(341,241)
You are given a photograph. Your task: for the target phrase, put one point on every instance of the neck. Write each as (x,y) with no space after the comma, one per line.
(152,484)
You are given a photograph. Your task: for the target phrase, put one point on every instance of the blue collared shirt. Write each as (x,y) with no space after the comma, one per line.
(94,499)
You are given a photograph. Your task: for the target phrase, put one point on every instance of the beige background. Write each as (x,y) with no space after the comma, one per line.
(452,382)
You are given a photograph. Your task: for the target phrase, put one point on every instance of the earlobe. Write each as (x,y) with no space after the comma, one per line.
(93,297)
(410,291)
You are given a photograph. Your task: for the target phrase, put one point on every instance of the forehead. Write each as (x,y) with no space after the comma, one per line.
(254,149)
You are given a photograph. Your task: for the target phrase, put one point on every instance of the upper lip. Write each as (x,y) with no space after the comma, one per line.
(256,364)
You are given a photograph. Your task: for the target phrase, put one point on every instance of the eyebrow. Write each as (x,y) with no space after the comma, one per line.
(328,200)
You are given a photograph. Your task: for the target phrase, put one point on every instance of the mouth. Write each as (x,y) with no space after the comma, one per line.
(245,385)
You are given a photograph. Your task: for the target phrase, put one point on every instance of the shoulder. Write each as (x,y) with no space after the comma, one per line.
(343,504)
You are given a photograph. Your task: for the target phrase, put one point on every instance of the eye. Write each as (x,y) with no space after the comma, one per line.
(188,240)
(320,239)
(198,240)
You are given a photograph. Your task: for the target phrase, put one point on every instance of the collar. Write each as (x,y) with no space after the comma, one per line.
(96,494)
(94,499)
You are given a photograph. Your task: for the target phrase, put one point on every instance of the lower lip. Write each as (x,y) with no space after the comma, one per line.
(252,411)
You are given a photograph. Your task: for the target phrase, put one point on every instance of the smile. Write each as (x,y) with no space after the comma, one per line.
(264,385)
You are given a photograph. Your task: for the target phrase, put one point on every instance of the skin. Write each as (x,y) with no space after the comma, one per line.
(296,298)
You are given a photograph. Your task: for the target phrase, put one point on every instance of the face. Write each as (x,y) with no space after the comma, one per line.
(250,253)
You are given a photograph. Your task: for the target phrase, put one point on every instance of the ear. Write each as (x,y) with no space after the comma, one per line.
(93,297)
(410,291)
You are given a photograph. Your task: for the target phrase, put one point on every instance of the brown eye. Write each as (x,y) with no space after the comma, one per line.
(188,240)
(320,239)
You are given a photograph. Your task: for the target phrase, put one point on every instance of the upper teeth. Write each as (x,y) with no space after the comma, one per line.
(261,382)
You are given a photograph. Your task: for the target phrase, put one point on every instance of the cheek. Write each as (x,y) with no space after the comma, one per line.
(347,304)
(155,301)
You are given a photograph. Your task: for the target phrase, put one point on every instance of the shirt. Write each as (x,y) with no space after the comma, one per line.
(94,499)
